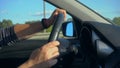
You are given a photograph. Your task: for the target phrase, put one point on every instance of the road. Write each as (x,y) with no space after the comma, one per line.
(40,36)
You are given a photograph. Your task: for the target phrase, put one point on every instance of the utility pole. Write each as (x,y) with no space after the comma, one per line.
(44,9)
(44,12)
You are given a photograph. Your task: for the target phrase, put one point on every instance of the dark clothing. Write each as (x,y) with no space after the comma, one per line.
(7,36)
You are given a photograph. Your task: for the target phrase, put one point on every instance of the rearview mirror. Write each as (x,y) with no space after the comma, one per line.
(68,29)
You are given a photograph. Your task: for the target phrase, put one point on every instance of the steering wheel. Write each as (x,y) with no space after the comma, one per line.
(64,48)
(56,28)
(55,32)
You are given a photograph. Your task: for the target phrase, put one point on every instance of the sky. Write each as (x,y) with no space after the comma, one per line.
(20,11)
(108,8)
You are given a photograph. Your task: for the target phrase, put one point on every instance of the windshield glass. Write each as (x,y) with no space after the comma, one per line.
(107,8)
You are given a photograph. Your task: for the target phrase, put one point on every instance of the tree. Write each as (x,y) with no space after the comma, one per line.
(0,24)
(29,22)
(6,23)
(116,20)
(49,29)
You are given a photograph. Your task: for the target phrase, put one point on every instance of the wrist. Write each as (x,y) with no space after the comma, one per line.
(43,22)
(46,23)
(27,64)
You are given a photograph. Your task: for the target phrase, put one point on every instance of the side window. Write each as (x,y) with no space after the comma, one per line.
(110,11)
(24,11)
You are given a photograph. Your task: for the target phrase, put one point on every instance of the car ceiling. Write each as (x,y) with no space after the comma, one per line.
(71,6)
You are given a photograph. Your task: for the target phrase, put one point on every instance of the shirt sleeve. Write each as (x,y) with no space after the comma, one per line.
(8,36)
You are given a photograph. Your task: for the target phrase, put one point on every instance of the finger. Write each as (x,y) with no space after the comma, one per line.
(56,12)
(52,44)
(52,53)
(55,55)
(52,62)
(62,11)
(54,49)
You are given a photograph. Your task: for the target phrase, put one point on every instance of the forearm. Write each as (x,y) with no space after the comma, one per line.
(7,36)
(24,31)
(27,64)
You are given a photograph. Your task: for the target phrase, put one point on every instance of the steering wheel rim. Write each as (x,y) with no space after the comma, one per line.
(56,27)
(56,30)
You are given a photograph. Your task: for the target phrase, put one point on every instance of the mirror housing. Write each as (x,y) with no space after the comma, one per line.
(68,29)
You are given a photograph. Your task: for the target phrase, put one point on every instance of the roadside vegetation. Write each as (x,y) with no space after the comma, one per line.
(6,23)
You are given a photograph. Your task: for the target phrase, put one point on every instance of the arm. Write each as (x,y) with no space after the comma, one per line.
(24,31)
(44,57)
(9,36)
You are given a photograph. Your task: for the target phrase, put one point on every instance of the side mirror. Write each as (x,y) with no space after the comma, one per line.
(68,29)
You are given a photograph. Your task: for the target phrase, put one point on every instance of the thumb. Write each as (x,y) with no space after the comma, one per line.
(56,13)
(52,44)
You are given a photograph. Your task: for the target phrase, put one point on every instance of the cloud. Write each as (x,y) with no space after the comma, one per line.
(113,11)
(41,13)
(117,12)
(3,11)
(37,14)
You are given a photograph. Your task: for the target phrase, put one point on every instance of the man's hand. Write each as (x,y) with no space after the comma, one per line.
(43,57)
(51,20)
(56,12)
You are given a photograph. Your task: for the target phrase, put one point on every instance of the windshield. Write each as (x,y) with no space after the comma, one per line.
(107,8)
